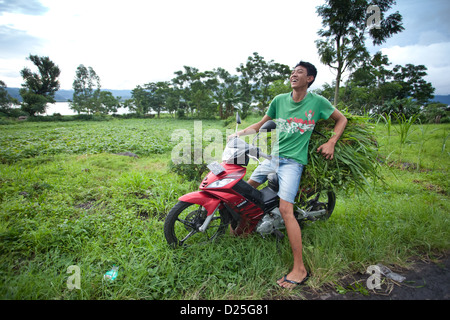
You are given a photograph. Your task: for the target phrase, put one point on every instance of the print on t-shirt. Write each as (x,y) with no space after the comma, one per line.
(293,125)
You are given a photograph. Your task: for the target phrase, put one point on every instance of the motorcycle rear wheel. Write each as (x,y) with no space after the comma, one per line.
(312,201)
(181,227)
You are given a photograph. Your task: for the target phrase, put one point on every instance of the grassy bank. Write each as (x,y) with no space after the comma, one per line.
(67,199)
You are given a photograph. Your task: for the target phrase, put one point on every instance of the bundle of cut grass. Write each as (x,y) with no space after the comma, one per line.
(355,158)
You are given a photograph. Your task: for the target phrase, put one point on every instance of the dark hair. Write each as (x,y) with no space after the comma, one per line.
(310,70)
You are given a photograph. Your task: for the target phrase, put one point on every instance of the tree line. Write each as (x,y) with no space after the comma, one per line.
(191,92)
(372,85)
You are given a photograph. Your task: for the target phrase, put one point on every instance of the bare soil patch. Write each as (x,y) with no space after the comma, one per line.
(425,280)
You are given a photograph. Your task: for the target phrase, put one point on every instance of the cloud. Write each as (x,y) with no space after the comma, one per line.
(425,40)
(433,56)
(144,41)
(425,22)
(135,42)
(16,42)
(29,7)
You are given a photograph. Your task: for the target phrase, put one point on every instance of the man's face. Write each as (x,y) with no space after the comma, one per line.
(299,78)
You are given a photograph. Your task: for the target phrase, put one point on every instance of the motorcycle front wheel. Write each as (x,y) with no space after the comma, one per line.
(182,224)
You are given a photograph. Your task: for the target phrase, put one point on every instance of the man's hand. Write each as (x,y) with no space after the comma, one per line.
(327,150)
(232,136)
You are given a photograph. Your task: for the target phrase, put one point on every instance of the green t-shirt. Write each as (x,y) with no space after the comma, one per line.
(295,123)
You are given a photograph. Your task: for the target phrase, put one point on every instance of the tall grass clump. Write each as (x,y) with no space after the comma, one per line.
(404,126)
(354,163)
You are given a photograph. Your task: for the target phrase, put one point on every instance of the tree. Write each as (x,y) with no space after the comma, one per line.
(183,82)
(372,72)
(195,88)
(258,75)
(226,93)
(410,77)
(369,85)
(280,87)
(158,93)
(39,88)
(108,103)
(437,112)
(400,107)
(86,87)
(173,99)
(383,84)
(374,84)
(141,101)
(6,101)
(344,33)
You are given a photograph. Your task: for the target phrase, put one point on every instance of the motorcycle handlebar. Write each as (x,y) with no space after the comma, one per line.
(245,145)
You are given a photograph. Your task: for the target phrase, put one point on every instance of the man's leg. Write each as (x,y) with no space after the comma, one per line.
(289,175)
(259,176)
(286,173)
(298,272)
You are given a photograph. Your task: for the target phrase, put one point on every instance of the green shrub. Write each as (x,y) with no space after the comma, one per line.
(190,171)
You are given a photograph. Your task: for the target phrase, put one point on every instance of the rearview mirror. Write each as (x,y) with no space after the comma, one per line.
(238,119)
(269,126)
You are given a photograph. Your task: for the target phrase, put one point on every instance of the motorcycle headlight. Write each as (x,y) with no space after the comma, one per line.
(220,183)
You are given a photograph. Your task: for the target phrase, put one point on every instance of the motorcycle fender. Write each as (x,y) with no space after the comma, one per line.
(203,199)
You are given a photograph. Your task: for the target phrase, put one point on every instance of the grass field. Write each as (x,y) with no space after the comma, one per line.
(67,199)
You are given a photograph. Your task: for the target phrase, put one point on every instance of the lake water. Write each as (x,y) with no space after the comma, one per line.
(63,109)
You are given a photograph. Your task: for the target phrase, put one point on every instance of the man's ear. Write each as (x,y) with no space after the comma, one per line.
(310,79)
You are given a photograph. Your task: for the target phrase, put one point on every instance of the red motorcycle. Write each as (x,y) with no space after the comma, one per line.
(226,199)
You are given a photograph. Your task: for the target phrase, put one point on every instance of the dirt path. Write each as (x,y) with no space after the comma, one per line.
(425,280)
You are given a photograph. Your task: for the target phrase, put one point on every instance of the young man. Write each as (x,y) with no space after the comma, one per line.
(296,114)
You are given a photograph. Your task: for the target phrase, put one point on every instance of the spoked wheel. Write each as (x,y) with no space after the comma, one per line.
(314,205)
(182,225)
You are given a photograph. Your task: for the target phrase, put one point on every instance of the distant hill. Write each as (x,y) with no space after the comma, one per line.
(442,99)
(65,95)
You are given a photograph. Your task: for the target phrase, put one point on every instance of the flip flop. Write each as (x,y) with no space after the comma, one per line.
(295,282)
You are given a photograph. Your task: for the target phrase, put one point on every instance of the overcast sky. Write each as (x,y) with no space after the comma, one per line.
(133,42)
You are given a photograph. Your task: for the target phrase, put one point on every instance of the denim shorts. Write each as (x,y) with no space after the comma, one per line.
(289,173)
